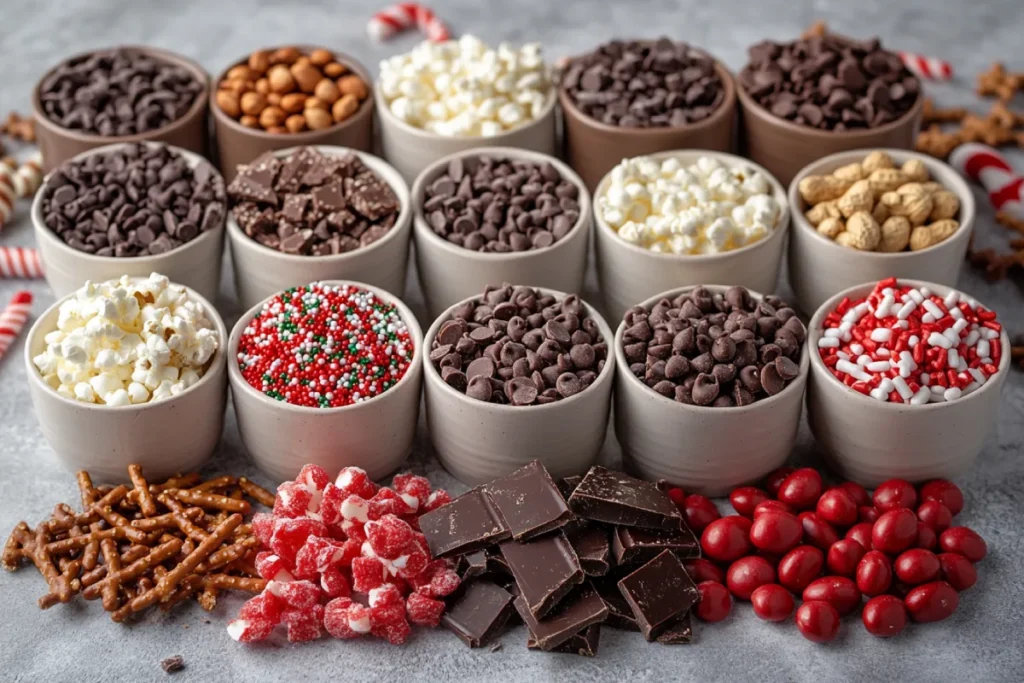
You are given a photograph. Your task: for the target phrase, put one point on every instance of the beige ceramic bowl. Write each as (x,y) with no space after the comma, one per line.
(376,435)
(195,264)
(868,441)
(261,272)
(702,449)
(166,437)
(478,441)
(629,274)
(58,144)
(818,267)
(449,273)
(413,149)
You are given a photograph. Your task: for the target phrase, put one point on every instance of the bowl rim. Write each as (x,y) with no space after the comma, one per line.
(217,363)
(238,383)
(967,211)
(379,166)
(624,371)
(306,137)
(44,232)
(730,160)
(423,231)
(173,58)
(433,376)
(815,332)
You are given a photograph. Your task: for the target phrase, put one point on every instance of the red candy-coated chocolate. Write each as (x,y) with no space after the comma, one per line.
(725,540)
(801,489)
(773,506)
(817,621)
(917,566)
(800,567)
(313,477)
(933,601)
(356,482)
(895,531)
(926,537)
(773,482)
(817,531)
(772,602)
(745,498)
(945,492)
(963,541)
(423,611)
(700,512)
(715,602)
(776,532)
(747,574)
(837,507)
(884,616)
(874,573)
(844,556)
(857,492)
(868,513)
(838,591)
(704,570)
(895,494)
(861,533)
(958,571)
(935,515)
(389,536)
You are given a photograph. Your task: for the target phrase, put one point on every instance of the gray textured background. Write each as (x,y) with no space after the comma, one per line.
(77,642)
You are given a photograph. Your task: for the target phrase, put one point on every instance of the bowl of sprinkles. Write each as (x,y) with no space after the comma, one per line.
(327,373)
(905,380)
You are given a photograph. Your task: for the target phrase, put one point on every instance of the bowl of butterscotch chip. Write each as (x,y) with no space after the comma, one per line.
(283,97)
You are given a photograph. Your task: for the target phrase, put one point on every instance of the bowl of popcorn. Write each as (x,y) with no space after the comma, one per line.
(709,386)
(288,96)
(345,393)
(498,214)
(442,98)
(685,218)
(317,213)
(129,371)
(866,215)
(630,98)
(906,379)
(107,213)
(517,374)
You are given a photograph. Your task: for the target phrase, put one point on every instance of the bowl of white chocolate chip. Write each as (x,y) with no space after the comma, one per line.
(129,371)
(686,217)
(867,215)
(443,98)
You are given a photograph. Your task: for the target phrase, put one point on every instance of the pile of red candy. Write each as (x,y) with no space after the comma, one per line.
(347,557)
(831,547)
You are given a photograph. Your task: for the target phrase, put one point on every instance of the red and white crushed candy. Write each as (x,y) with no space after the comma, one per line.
(908,345)
(328,543)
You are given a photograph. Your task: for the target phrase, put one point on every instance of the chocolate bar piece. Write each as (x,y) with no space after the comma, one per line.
(659,593)
(472,565)
(568,485)
(638,546)
(468,523)
(529,501)
(546,570)
(620,615)
(478,612)
(583,643)
(616,498)
(581,609)
(592,548)
(678,633)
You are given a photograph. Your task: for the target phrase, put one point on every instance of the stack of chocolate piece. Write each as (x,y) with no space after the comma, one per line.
(566,558)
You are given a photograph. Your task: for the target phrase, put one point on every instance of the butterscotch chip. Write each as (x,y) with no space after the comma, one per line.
(333,70)
(296,123)
(320,57)
(352,85)
(318,119)
(344,108)
(293,103)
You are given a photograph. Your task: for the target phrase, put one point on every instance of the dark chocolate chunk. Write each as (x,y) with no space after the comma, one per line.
(659,593)
(472,565)
(620,615)
(678,633)
(592,549)
(529,501)
(568,485)
(638,546)
(466,524)
(584,643)
(583,608)
(478,611)
(173,664)
(546,569)
(617,498)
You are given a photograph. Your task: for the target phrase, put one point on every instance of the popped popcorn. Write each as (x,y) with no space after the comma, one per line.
(121,343)
(464,88)
(704,208)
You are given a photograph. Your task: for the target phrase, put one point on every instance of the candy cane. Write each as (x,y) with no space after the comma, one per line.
(985,165)
(403,16)
(929,68)
(20,263)
(13,319)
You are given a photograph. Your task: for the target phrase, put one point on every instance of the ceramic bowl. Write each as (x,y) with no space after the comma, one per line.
(376,435)
(629,274)
(261,272)
(818,267)
(58,144)
(195,264)
(166,437)
(413,149)
(478,441)
(784,147)
(702,449)
(238,145)
(869,441)
(450,273)
(594,148)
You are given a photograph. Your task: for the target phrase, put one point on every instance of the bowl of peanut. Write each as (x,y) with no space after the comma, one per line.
(865,215)
(291,96)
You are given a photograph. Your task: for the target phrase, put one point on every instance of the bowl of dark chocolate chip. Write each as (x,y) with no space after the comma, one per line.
(628,98)
(709,386)
(131,209)
(806,99)
(317,213)
(124,94)
(514,375)
(498,214)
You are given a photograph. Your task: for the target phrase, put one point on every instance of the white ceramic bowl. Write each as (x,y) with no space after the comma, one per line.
(195,264)
(818,267)
(166,437)
(869,441)
(412,149)
(450,273)
(376,435)
(478,441)
(629,274)
(703,449)
(262,272)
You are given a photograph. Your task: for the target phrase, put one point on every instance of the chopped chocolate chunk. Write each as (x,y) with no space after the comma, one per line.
(638,546)
(616,498)
(478,612)
(583,608)
(468,523)
(546,570)
(659,593)
(584,643)
(591,545)
(529,501)
(678,633)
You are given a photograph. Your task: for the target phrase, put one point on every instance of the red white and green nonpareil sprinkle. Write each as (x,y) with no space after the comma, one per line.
(325,346)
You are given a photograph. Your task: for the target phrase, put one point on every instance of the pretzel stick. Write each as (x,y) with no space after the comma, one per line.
(211,500)
(256,492)
(135,569)
(127,557)
(165,521)
(228,554)
(236,583)
(43,561)
(208,598)
(181,520)
(118,521)
(184,591)
(218,483)
(77,542)
(144,584)
(14,554)
(145,498)
(85,487)
(67,585)
(182,481)
(92,551)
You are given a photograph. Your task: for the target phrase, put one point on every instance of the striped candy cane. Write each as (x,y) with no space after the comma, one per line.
(928,68)
(13,319)
(986,166)
(403,16)
(20,263)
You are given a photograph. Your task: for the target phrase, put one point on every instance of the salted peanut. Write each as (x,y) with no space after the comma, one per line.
(284,55)
(344,108)
(272,117)
(886,180)
(281,80)
(925,236)
(850,173)
(819,212)
(353,85)
(858,197)
(314,103)
(830,227)
(274,98)
(320,57)
(931,187)
(327,91)
(242,72)
(302,60)
(915,170)
(296,123)
(875,161)
(253,103)
(318,119)
(880,212)
(945,204)
(306,76)
(259,61)
(334,69)
(229,103)
(293,103)
(237,86)
(262,86)
(249,121)
(895,235)
(915,206)
(911,188)
(820,188)
(862,232)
